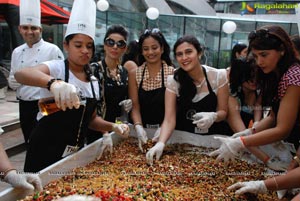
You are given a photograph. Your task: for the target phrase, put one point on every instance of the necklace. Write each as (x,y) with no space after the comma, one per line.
(114,75)
(199,84)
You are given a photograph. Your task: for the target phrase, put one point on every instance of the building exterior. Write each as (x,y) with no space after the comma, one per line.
(202,18)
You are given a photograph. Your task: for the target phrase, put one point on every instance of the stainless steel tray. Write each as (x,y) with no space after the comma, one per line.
(90,152)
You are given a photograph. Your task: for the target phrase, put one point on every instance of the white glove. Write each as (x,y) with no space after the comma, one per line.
(229,148)
(254,187)
(156,150)
(281,193)
(106,145)
(24,181)
(12,83)
(126,104)
(255,124)
(276,164)
(242,133)
(204,120)
(121,129)
(156,135)
(65,95)
(142,136)
(1,130)
(78,198)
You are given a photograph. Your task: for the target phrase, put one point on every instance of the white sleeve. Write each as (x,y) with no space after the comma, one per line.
(222,78)
(172,85)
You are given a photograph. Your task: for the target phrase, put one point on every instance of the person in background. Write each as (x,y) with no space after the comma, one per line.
(130,58)
(238,51)
(296,41)
(147,83)
(34,51)
(278,77)
(3,85)
(62,133)
(196,97)
(10,175)
(113,78)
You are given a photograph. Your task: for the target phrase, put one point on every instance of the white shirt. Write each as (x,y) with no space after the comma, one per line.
(216,77)
(24,56)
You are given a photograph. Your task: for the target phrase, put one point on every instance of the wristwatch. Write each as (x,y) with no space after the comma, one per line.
(296,158)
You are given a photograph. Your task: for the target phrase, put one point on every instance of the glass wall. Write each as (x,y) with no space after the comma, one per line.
(208,30)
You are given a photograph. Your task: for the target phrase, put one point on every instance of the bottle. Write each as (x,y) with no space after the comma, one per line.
(48,106)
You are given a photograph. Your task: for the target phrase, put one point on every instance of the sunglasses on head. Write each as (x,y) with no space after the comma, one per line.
(260,34)
(152,31)
(111,43)
(32,28)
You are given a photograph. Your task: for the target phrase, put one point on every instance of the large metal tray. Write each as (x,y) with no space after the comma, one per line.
(90,152)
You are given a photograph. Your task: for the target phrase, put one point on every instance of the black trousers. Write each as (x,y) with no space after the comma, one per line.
(28,112)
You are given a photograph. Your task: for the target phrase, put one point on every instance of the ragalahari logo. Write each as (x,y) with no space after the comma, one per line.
(246,8)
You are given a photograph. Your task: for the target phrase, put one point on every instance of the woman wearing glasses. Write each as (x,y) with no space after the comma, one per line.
(147,83)
(113,78)
(279,77)
(196,96)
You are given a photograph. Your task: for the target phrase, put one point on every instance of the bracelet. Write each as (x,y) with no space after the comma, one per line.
(275,183)
(7,171)
(51,82)
(296,158)
(137,123)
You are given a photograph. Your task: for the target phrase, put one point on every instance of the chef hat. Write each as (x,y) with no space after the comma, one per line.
(30,12)
(83,18)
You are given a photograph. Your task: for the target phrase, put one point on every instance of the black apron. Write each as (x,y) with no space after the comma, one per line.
(152,103)
(114,94)
(294,136)
(206,104)
(54,132)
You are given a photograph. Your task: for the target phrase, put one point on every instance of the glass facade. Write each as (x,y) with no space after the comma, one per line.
(131,14)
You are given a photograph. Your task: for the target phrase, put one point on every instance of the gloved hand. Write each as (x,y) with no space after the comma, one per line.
(12,83)
(142,136)
(106,145)
(156,150)
(242,133)
(249,187)
(156,135)
(126,104)
(276,164)
(204,120)
(281,193)
(65,95)
(229,148)
(24,181)
(121,129)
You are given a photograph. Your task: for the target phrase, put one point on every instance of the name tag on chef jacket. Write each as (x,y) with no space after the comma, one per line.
(199,130)
(70,150)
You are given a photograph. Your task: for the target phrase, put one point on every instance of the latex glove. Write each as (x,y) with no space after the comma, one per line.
(156,150)
(142,136)
(156,135)
(121,129)
(78,198)
(281,193)
(106,145)
(65,95)
(204,120)
(229,148)
(24,181)
(12,83)
(254,187)
(126,104)
(1,130)
(255,124)
(276,164)
(242,133)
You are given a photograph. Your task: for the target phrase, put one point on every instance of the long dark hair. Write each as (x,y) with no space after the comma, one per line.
(237,48)
(187,89)
(159,37)
(241,70)
(272,37)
